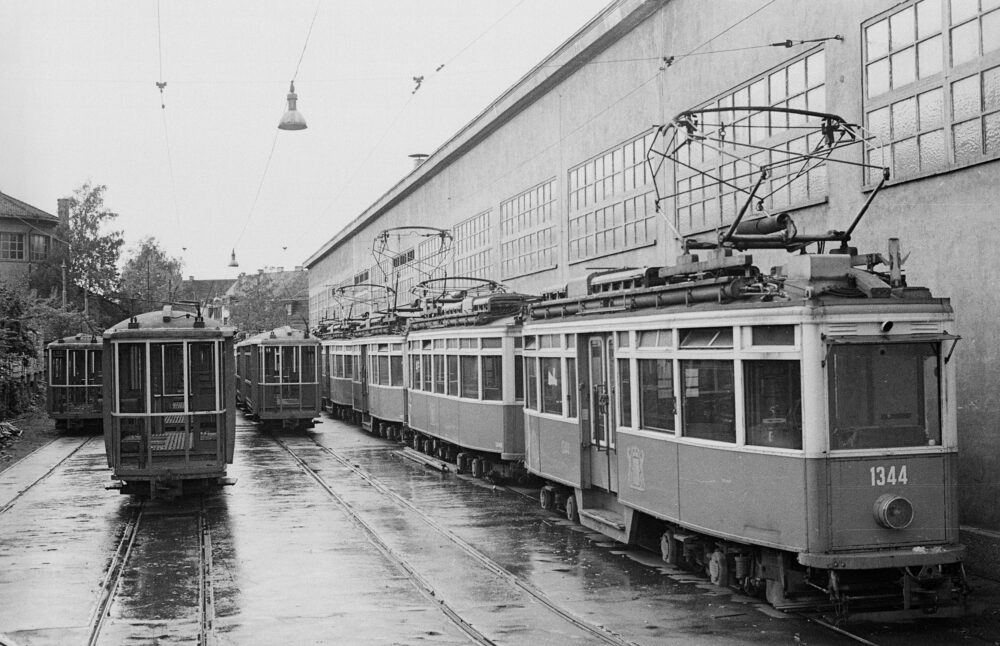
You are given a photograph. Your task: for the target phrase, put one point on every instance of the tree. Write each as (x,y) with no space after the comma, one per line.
(17,349)
(149,271)
(255,305)
(93,255)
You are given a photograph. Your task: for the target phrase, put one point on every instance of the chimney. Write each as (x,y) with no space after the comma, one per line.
(63,211)
(298,267)
(191,278)
(418,159)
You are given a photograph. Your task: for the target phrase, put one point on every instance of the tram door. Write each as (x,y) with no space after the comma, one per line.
(601,391)
(360,383)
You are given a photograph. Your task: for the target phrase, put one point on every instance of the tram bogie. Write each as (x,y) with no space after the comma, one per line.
(278,374)
(169,403)
(74,398)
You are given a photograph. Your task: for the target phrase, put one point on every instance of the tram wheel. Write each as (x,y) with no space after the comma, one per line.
(668,549)
(546,498)
(572,513)
(477,468)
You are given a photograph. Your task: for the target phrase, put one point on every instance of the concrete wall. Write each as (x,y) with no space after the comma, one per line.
(613,89)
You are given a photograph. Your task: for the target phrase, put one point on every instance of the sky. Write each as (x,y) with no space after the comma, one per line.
(210,172)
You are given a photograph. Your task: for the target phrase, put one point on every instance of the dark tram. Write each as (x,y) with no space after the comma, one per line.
(75,398)
(277,376)
(169,402)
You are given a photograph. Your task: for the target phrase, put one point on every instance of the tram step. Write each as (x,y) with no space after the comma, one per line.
(605,516)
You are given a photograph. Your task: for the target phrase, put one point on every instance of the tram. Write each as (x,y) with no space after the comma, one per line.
(169,403)
(74,398)
(278,376)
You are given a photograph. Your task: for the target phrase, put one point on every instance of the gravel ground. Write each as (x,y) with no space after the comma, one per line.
(37,429)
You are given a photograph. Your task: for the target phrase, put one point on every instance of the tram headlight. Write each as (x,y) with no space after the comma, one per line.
(893,512)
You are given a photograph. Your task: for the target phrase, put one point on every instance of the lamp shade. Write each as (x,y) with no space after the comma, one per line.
(292,119)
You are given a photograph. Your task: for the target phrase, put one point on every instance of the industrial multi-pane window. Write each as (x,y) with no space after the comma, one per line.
(704,203)
(611,202)
(527,231)
(932,85)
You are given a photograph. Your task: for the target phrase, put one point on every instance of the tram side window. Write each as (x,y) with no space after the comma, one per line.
(425,372)
(657,404)
(167,374)
(396,370)
(131,377)
(383,370)
(95,371)
(519,378)
(773,403)
(492,377)
(470,377)
(551,386)
(59,367)
(349,366)
(453,374)
(77,363)
(202,377)
(571,387)
(439,373)
(271,364)
(415,371)
(708,401)
(308,364)
(884,395)
(625,391)
(531,384)
(290,373)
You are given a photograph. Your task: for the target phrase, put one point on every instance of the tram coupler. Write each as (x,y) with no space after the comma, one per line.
(227,481)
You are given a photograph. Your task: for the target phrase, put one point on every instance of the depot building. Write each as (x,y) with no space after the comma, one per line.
(550,181)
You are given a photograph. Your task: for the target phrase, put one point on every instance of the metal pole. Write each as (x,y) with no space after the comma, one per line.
(64,284)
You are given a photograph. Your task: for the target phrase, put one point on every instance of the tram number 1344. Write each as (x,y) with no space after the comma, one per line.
(882,476)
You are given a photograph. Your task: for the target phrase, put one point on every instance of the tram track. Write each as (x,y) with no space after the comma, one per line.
(113,575)
(10,503)
(598,632)
(142,515)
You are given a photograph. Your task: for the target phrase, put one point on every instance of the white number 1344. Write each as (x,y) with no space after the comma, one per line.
(882,476)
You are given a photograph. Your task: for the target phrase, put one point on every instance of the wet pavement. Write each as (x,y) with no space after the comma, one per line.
(331,536)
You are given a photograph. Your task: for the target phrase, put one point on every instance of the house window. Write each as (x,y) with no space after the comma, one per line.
(528,235)
(611,202)
(703,202)
(39,247)
(932,85)
(11,246)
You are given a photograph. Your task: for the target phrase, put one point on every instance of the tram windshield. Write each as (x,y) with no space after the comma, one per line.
(884,395)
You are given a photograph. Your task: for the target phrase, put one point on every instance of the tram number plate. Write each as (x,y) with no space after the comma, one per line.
(882,476)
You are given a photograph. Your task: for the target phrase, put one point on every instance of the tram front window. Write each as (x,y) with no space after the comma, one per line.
(884,396)
(132,377)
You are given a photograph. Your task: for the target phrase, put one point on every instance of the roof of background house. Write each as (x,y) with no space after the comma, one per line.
(12,207)
(205,290)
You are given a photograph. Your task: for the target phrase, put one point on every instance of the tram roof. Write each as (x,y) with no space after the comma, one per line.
(80,340)
(169,322)
(285,335)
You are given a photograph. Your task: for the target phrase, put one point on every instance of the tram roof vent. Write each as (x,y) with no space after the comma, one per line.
(168,314)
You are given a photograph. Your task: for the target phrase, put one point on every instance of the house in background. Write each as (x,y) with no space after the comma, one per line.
(26,237)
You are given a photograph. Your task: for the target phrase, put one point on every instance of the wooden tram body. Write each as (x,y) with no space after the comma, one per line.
(801,442)
(279,376)
(74,398)
(169,402)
